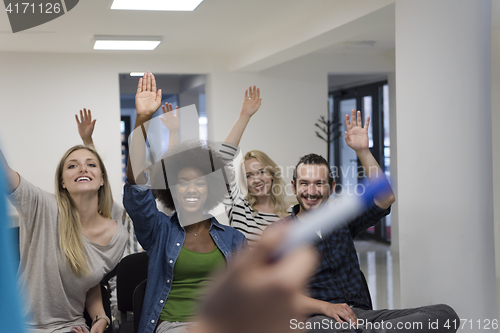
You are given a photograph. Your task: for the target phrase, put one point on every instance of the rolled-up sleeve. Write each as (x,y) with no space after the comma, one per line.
(33,206)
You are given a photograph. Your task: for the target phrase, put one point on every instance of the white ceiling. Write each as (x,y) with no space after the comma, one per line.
(247,35)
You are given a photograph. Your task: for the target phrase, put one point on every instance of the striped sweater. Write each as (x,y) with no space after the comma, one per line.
(241,216)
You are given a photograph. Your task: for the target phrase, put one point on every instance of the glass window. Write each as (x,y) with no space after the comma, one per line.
(367,111)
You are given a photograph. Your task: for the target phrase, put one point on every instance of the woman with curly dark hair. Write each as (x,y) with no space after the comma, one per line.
(185,248)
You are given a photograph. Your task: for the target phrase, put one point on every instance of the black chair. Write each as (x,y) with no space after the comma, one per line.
(365,285)
(139,293)
(131,271)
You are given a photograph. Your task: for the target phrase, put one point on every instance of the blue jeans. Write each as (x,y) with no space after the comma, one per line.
(425,319)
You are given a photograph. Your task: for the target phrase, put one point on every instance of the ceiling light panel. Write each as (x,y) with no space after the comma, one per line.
(172,5)
(126,43)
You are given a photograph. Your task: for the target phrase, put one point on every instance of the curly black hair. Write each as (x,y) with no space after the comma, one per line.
(198,155)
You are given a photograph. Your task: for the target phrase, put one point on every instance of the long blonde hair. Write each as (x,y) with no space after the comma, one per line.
(278,192)
(70,230)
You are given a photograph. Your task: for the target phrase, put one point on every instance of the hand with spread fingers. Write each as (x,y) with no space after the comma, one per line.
(85,126)
(356,135)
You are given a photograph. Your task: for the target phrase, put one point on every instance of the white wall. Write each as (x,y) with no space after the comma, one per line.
(294,95)
(44,91)
(444,156)
(284,125)
(40,94)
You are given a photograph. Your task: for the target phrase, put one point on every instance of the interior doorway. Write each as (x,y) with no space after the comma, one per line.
(373,101)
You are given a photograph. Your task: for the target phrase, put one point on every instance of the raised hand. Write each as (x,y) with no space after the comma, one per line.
(169,118)
(171,122)
(85,126)
(251,102)
(356,135)
(147,98)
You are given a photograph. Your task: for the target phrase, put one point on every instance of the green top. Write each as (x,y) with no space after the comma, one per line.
(191,273)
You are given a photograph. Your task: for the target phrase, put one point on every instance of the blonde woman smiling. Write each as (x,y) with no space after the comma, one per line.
(264,202)
(68,242)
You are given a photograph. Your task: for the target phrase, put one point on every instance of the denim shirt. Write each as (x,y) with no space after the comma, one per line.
(162,237)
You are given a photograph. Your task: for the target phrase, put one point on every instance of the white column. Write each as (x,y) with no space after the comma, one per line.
(444,157)
(391,81)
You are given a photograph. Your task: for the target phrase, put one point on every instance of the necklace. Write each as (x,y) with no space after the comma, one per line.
(196,234)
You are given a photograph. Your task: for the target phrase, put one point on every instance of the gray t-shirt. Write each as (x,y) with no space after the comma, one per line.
(55,296)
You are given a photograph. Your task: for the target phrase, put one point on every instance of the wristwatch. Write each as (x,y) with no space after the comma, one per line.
(101,317)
